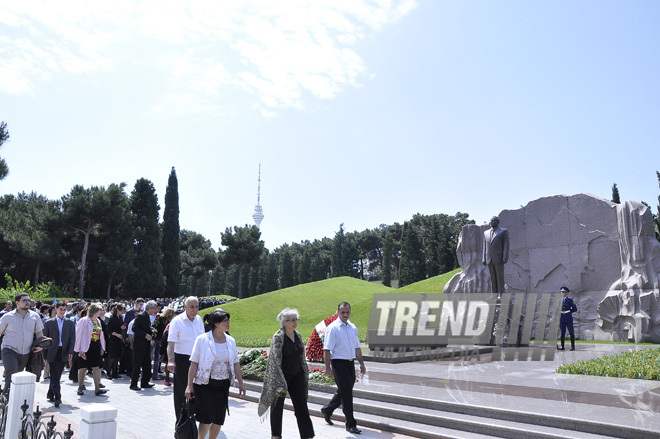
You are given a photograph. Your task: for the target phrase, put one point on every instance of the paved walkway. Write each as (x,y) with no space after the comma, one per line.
(149,414)
(525,386)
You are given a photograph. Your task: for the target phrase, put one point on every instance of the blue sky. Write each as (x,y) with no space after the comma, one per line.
(360,112)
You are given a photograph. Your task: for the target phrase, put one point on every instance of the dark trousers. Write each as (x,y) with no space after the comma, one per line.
(496,272)
(13,362)
(155,358)
(181,366)
(344,371)
(298,394)
(141,362)
(562,330)
(56,368)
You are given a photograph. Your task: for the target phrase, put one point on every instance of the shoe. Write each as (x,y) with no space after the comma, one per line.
(327,416)
(84,388)
(58,402)
(115,376)
(561,349)
(50,397)
(158,378)
(80,393)
(167,383)
(100,392)
(135,388)
(147,386)
(101,386)
(353,430)
(572,349)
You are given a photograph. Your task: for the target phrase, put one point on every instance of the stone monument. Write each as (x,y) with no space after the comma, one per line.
(606,253)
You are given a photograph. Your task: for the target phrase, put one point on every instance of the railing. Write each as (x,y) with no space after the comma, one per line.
(3,413)
(33,427)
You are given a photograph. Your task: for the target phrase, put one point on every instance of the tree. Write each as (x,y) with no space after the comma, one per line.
(4,136)
(656,220)
(30,225)
(345,254)
(171,238)
(388,246)
(412,267)
(615,194)
(244,247)
(84,210)
(197,258)
(148,278)
(116,253)
(285,267)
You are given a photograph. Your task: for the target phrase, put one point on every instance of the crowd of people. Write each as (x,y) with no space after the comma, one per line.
(200,357)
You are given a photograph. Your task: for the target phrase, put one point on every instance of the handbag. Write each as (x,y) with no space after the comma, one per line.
(186,425)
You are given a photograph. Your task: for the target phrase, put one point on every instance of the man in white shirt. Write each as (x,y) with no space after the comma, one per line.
(183,331)
(19,328)
(340,349)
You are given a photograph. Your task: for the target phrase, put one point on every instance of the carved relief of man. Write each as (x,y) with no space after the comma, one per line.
(496,254)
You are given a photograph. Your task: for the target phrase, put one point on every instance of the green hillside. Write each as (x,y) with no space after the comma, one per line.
(431,285)
(253,320)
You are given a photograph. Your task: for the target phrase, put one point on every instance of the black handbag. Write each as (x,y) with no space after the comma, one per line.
(186,425)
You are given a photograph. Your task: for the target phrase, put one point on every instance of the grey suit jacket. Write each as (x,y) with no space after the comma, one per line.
(496,246)
(68,338)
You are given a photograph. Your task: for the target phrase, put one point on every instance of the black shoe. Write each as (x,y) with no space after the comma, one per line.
(561,349)
(100,392)
(572,349)
(327,416)
(80,393)
(147,386)
(353,430)
(135,388)
(50,397)
(58,402)
(101,386)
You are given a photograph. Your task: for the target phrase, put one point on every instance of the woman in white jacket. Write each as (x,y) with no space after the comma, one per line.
(213,367)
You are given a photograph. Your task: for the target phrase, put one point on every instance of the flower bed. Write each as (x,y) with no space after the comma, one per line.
(642,364)
(315,345)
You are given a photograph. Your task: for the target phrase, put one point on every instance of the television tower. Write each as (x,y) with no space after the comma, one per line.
(258,214)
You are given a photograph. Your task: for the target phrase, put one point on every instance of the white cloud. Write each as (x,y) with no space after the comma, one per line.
(282,53)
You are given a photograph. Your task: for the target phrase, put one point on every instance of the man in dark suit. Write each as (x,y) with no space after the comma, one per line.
(142,342)
(63,333)
(496,254)
(568,307)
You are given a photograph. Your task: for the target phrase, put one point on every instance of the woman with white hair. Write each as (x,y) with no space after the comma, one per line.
(286,372)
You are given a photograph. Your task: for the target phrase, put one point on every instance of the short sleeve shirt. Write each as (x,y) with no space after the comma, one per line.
(183,333)
(20,330)
(341,339)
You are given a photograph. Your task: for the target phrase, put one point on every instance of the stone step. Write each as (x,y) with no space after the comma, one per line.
(426,418)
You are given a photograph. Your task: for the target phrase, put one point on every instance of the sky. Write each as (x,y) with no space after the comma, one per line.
(361,112)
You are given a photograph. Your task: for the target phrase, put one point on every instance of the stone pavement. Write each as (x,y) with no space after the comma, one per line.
(523,386)
(149,414)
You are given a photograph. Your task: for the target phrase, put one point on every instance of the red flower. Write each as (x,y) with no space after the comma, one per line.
(315,346)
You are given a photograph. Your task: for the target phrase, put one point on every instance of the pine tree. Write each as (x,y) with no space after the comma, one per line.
(244,248)
(4,136)
(171,238)
(148,280)
(388,247)
(615,194)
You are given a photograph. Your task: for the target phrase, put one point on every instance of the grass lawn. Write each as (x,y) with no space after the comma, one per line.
(253,320)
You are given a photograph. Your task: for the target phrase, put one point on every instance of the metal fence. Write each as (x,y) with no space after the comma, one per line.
(32,425)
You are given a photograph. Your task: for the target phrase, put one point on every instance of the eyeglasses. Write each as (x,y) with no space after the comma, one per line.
(25,300)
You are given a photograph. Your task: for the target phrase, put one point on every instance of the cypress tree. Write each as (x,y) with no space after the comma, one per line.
(171,238)
(615,194)
(388,247)
(148,279)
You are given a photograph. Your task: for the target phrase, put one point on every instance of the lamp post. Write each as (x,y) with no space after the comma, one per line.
(210,280)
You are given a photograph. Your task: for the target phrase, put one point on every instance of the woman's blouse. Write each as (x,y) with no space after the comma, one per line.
(291,353)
